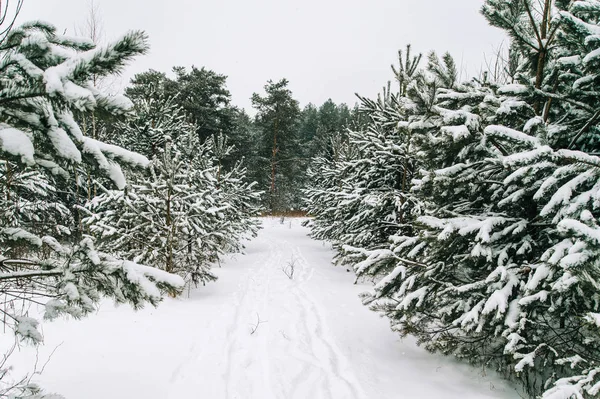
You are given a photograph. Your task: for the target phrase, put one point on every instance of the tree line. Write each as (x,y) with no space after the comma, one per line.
(473,205)
(104,196)
(277,144)
(130,197)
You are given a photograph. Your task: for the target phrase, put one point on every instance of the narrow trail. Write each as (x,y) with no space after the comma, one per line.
(277,343)
(257,334)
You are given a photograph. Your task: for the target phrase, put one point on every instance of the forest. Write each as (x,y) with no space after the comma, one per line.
(467,209)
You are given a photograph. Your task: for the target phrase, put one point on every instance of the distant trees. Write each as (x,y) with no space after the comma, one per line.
(201,93)
(277,145)
(332,120)
(277,119)
(289,139)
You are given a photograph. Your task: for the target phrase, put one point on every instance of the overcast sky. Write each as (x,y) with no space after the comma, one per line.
(325,48)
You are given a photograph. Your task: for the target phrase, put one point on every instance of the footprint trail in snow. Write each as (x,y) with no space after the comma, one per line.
(314,339)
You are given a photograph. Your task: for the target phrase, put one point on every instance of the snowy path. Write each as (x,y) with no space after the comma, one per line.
(315,339)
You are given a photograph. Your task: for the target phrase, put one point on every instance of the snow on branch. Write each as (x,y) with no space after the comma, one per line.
(503,132)
(119,153)
(17,143)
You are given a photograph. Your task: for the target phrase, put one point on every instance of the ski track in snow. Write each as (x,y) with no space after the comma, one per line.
(315,340)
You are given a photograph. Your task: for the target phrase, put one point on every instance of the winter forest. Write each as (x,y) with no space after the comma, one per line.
(438,240)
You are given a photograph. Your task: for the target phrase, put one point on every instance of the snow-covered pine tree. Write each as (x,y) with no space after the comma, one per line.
(165,219)
(361,199)
(43,80)
(187,211)
(451,280)
(504,271)
(559,173)
(234,189)
(323,195)
(156,117)
(29,199)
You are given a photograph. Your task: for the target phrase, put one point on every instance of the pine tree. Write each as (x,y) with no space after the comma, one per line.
(365,196)
(43,80)
(156,118)
(201,93)
(503,270)
(188,210)
(163,220)
(278,120)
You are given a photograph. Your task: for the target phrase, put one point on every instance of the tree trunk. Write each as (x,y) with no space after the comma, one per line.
(9,176)
(273,159)
(543,49)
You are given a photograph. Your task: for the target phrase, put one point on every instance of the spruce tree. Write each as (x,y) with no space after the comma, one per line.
(165,219)
(365,196)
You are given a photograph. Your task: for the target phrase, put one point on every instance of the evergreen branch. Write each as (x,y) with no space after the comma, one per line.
(4,100)
(563,98)
(585,128)
(30,274)
(532,21)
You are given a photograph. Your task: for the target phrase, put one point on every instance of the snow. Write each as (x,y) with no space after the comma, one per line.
(15,234)
(563,392)
(579,156)
(140,272)
(573,60)
(509,107)
(26,327)
(314,339)
(53,167)
(373,257)
(457,132)
(513,88)
(531,123)
(508,133)
(591,56)
(575,226)
(63,144)
(527,156)
(129,157)
(526,360)
(499,299)
(17,143)
(593,318)
(79,97)
(563,195)
(119,102)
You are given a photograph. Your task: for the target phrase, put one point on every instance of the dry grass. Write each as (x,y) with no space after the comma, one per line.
(288,214)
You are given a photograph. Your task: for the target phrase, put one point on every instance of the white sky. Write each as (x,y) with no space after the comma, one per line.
(325,48)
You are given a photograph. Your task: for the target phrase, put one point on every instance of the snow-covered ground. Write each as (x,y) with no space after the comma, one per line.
(314,340)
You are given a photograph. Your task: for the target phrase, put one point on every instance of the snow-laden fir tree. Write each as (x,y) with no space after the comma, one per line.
(156,117)
(445,284)
(29,199)
(44,78)
(279,150)
(237,191)
(323,196)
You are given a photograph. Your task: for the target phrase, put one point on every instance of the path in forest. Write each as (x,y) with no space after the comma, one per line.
(315,340)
